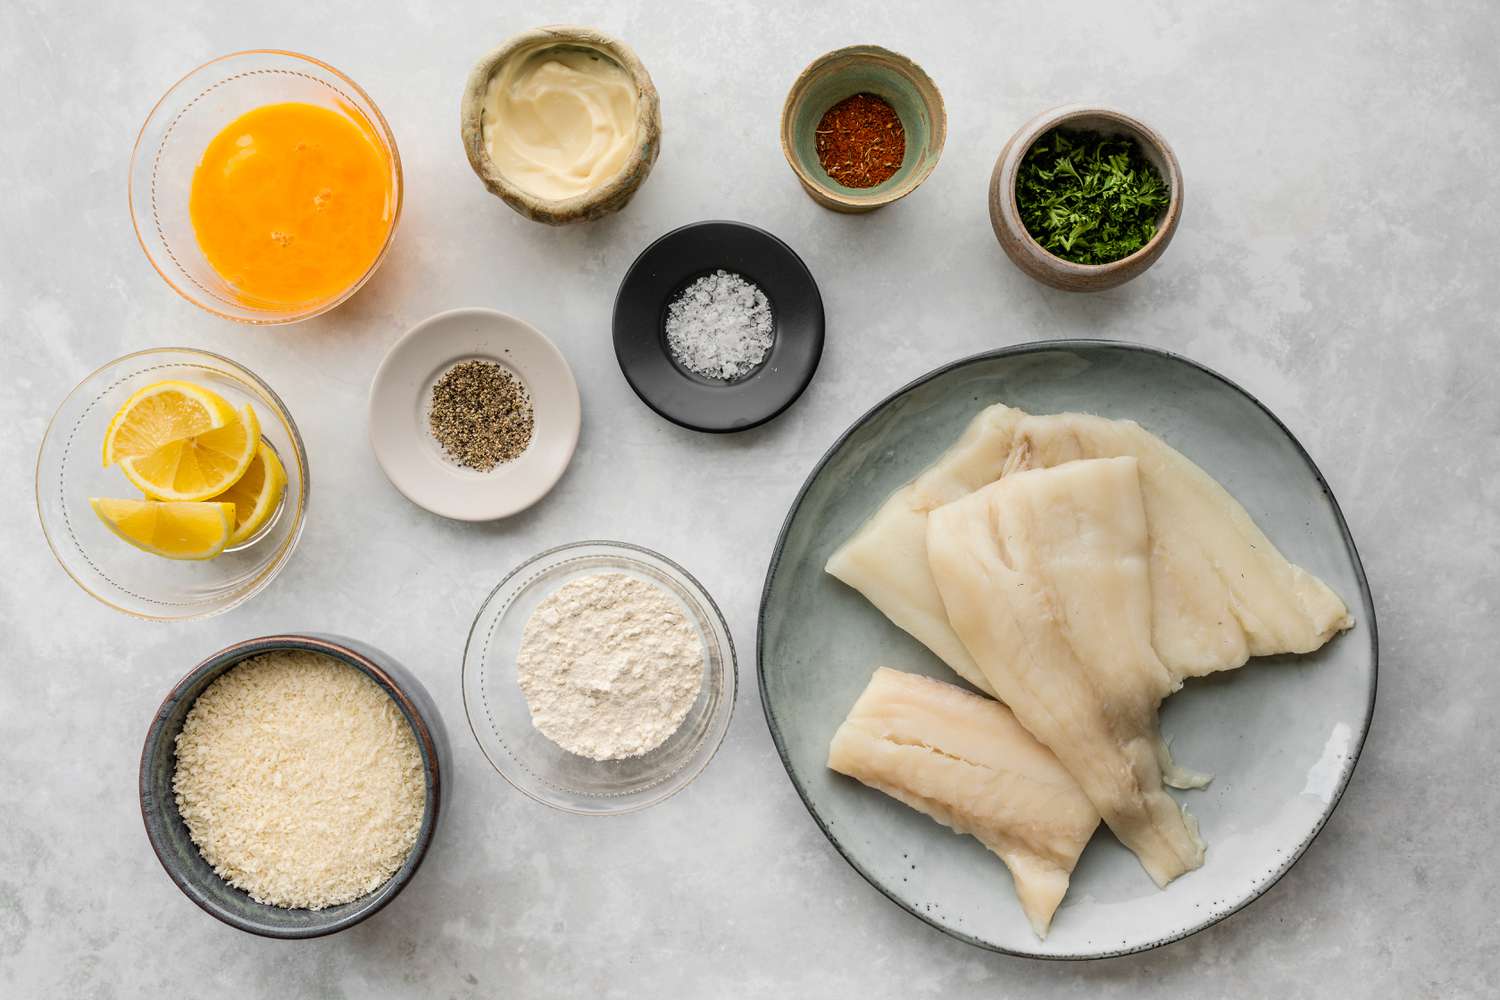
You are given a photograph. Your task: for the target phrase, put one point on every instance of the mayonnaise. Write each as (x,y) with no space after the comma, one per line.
(560,122)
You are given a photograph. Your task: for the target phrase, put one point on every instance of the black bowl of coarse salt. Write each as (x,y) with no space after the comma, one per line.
(718,326)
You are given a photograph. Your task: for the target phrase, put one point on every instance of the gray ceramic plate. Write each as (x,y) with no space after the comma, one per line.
(1281,734)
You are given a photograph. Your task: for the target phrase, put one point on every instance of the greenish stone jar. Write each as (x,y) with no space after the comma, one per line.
(863,69)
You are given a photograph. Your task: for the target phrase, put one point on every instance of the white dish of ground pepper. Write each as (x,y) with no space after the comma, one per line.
(599,677)
(474,415)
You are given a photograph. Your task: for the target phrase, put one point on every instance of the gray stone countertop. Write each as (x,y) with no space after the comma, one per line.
(1336,257)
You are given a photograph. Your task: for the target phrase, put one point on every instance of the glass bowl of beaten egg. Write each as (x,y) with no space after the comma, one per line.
(265,187)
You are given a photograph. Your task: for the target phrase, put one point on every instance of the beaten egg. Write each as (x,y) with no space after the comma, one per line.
(291,203)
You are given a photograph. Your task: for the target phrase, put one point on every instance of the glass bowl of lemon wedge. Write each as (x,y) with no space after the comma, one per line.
(172,484)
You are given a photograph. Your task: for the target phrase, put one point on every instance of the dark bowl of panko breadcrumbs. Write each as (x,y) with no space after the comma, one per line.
(309,768)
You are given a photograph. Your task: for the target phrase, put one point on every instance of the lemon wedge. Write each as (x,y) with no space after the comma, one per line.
(173,530)
(161,413)
(197,467)
(256,495)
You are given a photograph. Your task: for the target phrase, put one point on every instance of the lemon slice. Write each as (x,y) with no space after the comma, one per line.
(160,414)
(197,467)
(173,530)
(257,494)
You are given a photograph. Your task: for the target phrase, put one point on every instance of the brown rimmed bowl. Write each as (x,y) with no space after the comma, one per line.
(615,193)
(169,835)
(1043,265)
(863,69)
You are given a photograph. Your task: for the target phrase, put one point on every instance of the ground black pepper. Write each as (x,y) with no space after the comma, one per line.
(481,414)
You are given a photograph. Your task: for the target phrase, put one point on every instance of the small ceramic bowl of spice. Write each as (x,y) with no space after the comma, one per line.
(1085,198)
(561,123)
(862,127)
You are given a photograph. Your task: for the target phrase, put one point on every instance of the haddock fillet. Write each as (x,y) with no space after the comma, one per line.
(1220,590)
(965,761)
(1045,578)
(1221,593)
(886,559)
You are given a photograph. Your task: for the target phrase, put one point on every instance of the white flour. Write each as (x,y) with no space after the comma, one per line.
(610,666)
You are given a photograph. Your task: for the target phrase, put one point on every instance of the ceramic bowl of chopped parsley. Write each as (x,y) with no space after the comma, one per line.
(1085,198)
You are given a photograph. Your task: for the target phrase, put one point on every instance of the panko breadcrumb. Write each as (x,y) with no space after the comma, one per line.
(299,779)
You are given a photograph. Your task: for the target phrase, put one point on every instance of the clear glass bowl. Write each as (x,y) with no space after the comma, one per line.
(501,721)
(172,142)
(69,472)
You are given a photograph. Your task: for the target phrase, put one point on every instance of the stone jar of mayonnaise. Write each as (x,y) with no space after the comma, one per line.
(562,123)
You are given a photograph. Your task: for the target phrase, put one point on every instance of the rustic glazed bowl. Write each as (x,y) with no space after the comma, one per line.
(1045,266)
(863,69)
(613,194)
(169,835)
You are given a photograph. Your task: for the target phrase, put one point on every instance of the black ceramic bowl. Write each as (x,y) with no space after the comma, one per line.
(169,835)
(668,266)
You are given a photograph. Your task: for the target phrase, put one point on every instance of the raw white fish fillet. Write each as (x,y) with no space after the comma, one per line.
(1220,590)
(886,559)
(1045,578)
(966,762)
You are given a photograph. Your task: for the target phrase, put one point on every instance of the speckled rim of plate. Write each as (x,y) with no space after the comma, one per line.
(1366,600)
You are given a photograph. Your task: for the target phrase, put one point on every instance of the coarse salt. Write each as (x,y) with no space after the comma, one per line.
(720,326)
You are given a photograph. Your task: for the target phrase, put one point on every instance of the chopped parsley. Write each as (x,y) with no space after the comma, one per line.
(1089,198)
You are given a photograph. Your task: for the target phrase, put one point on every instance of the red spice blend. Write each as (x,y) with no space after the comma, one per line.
(861,141)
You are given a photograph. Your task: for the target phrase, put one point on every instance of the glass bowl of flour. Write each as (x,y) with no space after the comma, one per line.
(599,677)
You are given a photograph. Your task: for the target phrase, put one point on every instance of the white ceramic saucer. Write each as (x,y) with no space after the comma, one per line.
(414,462)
